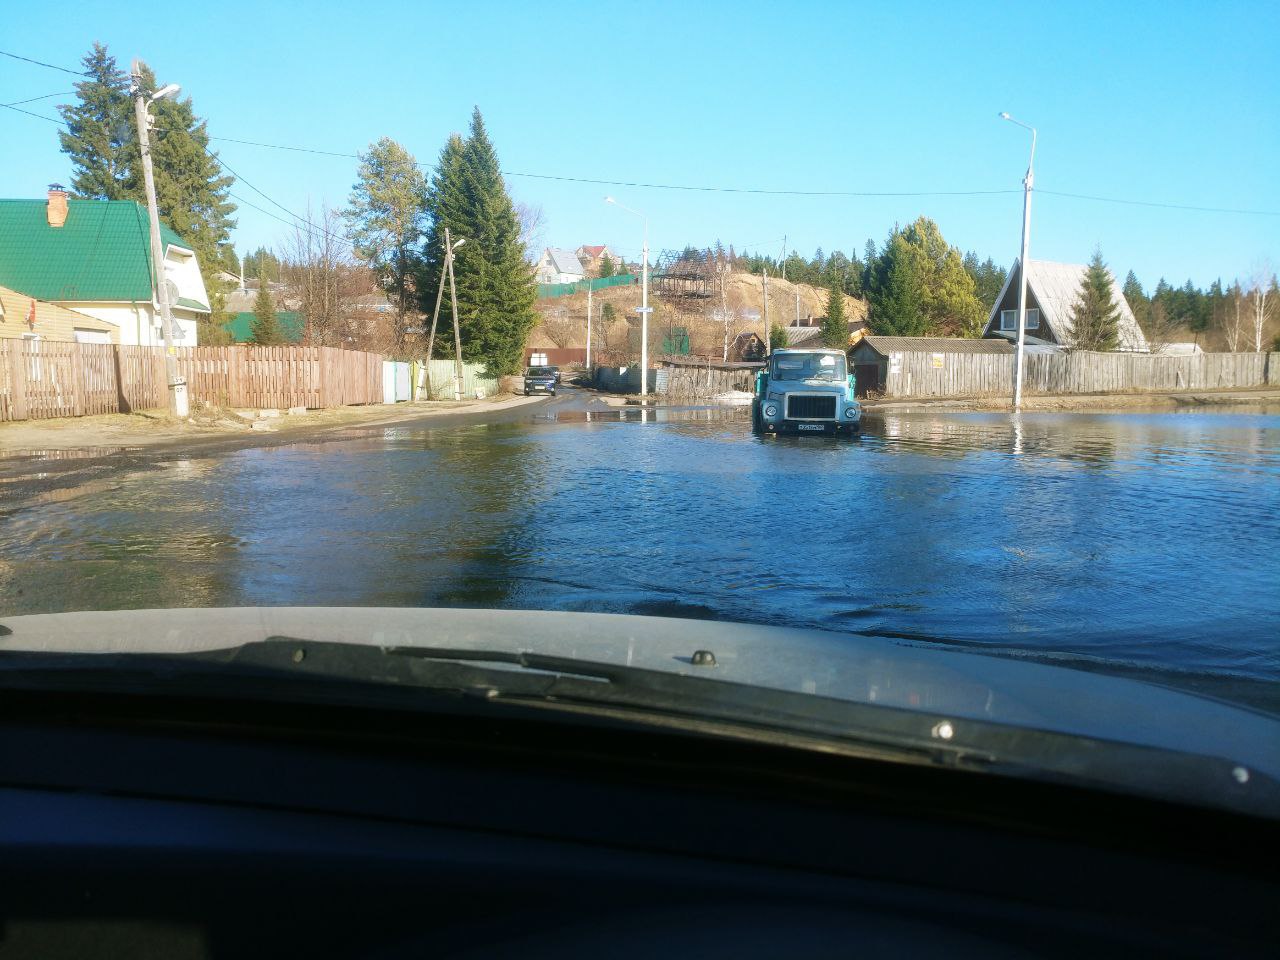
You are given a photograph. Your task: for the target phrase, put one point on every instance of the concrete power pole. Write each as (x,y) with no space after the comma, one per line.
(178,405)
(768,332)
(457,333)
(588,328)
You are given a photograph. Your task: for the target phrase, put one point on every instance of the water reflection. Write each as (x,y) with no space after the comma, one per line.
(1135,541)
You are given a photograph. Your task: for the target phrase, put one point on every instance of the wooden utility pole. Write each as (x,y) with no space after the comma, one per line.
(435,315)
(457,333)
(782,263)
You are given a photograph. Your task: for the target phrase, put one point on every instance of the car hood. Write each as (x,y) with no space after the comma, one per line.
(859,669)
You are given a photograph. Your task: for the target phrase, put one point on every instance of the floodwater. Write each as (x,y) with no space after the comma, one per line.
(1143,544)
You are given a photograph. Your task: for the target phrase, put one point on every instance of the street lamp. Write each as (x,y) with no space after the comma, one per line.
(644,309)
(1027,183)
(178,405)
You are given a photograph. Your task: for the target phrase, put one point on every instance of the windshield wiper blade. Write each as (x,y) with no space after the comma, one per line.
(399,677)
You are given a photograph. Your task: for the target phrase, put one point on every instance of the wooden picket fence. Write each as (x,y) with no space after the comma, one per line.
(922,374)
(40,379)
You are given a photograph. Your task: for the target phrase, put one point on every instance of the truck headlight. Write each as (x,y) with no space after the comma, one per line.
(850,412)
(770,410)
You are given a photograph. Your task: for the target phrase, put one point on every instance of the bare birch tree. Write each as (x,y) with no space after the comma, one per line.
(1261,300)
(1231,319)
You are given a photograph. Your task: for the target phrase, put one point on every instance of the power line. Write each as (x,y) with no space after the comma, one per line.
(38,116)
(694,188)
(1166,206)
(41,63)
(14,103)
(315,231)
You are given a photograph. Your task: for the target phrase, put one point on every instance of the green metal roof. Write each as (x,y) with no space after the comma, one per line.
(102,252)
(192,304)
(241,326)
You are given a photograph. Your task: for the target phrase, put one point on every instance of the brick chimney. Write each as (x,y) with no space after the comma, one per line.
(57,210)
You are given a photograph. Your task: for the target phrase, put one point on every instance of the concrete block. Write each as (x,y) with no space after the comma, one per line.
(297,411)
(268,413)
(262,425)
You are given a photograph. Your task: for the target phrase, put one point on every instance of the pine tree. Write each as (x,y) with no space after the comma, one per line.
(919,286)
(496,292)
(1095,316)
(266,325)
(835,327)
(385,218)
(100,138)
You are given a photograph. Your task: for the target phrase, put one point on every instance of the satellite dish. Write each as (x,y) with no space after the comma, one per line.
(171,292)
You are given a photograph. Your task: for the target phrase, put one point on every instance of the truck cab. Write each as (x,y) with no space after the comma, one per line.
(805,391)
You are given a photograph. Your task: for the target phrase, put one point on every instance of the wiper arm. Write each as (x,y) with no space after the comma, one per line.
(283,668)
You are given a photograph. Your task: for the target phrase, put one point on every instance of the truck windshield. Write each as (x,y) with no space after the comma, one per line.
(807,366)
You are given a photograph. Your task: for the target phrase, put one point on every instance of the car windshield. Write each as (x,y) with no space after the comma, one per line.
(807,366)
(445,338)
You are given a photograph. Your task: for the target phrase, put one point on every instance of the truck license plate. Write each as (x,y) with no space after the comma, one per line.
(810,426)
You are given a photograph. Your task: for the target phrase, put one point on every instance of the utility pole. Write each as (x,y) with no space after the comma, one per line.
(644,314)
(457,333)
(797,308)
(178,405)
(782,261)
(588,329)
(1027,183)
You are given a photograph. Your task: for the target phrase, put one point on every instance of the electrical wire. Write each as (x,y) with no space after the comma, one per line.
(695,188)
(1166,206)
(14,103)
(41,63)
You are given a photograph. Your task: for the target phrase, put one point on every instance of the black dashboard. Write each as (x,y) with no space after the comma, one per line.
(178,827)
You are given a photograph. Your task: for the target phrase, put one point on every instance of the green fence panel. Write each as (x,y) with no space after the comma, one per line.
(546,290)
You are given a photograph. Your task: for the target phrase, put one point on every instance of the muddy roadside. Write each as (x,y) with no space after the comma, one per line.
(55,459)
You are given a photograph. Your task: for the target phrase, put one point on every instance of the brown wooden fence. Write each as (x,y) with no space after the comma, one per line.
(39,379)
(923,374)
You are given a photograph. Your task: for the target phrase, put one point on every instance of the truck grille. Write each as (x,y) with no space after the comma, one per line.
(811,407)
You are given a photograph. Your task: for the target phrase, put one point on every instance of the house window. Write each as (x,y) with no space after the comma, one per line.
(1009,319)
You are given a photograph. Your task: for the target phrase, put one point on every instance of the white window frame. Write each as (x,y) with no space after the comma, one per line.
(1033,319)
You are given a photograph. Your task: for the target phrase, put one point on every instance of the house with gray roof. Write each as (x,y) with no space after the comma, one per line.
(1052,292)
(557,265)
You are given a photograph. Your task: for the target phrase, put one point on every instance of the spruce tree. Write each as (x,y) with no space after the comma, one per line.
(835,328)
(444,208)
(265,328)
(896,291)
(1095,315)
(606,266)
(100,138)
(496,291)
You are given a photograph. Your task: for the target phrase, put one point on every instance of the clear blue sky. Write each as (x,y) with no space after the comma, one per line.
(1174,102)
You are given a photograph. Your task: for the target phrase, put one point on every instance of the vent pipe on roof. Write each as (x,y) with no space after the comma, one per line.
(57,208)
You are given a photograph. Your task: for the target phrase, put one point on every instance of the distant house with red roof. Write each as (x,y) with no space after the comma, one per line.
(590,256)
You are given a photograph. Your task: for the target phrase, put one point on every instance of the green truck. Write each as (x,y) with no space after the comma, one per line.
(805,391)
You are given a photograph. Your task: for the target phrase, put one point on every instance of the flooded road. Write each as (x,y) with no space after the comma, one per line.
(1133,543)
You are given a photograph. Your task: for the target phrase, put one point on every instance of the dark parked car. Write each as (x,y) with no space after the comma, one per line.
(540,380)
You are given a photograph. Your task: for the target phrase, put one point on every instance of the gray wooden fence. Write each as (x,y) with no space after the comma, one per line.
(913,374)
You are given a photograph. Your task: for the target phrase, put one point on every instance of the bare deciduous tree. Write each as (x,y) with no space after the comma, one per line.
(1262,284)
(533,224)
(1230,316)
(559,326)
(328,287)
(1160,328)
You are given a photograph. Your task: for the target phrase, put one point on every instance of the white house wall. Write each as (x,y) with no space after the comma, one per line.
(138,323)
